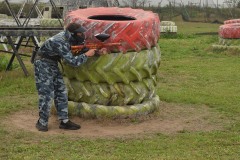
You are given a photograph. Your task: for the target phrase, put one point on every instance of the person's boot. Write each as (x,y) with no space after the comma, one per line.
(69,125)
(41,127)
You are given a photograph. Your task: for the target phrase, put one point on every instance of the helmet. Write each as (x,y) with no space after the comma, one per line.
(76,28)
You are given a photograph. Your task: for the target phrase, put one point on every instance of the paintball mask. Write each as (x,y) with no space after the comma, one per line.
(74,29)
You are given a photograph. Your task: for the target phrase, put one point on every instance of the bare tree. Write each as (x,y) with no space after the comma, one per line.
(232,4)
(159,4)
(131,3)
(142,3)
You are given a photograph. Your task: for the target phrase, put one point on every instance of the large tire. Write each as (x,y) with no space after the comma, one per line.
(232,21)
(220,48)
(167,23)
(116,94)
(3,16)
(115,68)
(231,30)
(45,22)
(135,29)
(168,29)
(86,110)
(229,42)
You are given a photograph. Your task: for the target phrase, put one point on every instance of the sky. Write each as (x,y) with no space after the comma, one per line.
(155,2)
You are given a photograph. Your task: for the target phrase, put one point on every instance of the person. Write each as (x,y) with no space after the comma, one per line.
(48,77)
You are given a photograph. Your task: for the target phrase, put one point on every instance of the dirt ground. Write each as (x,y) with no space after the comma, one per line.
(170,119)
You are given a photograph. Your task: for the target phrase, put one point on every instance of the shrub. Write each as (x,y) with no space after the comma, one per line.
(4,60)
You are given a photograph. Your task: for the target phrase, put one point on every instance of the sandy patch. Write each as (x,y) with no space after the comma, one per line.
(170,119)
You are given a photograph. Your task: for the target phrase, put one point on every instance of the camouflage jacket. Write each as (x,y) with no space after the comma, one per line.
(59,45)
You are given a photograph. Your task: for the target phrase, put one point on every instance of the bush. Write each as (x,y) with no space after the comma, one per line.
(4,60)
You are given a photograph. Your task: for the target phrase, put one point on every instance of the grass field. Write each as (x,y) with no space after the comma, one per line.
(190,75)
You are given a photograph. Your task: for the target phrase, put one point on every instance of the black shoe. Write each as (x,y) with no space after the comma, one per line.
(69,125)
(41,127)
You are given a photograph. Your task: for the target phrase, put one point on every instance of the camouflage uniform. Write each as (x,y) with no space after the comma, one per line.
(49,80)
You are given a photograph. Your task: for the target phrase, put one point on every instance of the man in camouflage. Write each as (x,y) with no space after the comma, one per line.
(49,80)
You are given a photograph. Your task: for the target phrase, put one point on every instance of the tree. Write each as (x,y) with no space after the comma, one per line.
(238,5)
(135,3)
(130,3)
(142,3)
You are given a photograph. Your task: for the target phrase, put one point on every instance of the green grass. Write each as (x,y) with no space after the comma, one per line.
(189,74)
(4,60)
(196,27)
(194,75)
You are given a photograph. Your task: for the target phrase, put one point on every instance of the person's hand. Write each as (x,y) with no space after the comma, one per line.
(90,52)
(102,51)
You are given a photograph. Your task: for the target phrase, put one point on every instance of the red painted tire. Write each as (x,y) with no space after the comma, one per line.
(229,30)
(135,29)
(232,21)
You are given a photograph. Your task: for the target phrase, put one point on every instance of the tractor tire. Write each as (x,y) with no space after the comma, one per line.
(86,110)
(116,94)
(50,22)
(167,23)
(229,42)
(117,68)
(232,21)
(3,16)
(221,48)
(168,29)
(229,30)
(135,29)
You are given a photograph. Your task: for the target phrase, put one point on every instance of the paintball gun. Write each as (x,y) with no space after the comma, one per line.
(85,47)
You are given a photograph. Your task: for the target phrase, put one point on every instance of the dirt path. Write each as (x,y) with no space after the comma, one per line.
(170,119)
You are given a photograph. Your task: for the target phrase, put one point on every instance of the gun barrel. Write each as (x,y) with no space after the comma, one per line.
(77,47)
(94,45)
(112,44)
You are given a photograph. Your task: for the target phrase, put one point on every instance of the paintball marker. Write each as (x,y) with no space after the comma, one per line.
(85,47)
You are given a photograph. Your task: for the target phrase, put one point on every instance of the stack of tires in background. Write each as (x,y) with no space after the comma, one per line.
(123,82)
(50,22)
(229,35)
(3,16)
(168,27)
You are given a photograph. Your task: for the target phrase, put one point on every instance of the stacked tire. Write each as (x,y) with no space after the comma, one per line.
(123,82)
(48,22)
(3,16)
(229,35)
(168,27)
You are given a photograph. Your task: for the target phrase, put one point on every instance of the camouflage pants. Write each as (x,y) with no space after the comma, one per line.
(50,86)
